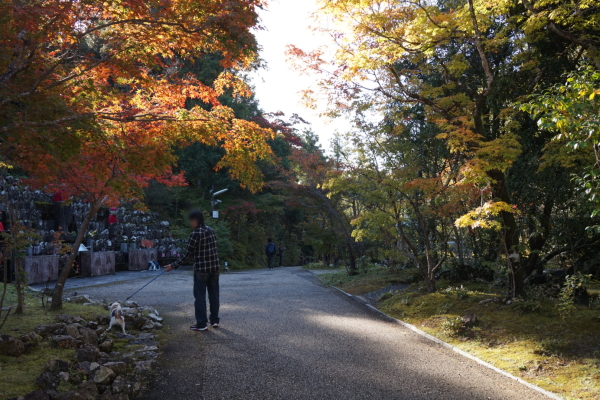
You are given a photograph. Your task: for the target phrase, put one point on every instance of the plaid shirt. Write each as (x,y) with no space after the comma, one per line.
(202,245)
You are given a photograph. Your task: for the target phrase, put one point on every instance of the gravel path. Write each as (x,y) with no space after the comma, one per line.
(285,336)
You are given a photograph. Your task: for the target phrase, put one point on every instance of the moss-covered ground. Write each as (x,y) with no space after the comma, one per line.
(17,375)
(526,338)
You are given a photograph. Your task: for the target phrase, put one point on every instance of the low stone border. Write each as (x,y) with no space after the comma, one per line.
(447,345)
(94,369)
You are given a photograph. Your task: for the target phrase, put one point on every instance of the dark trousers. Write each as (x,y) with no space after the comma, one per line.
(270,261)
(206,282)
(281,260)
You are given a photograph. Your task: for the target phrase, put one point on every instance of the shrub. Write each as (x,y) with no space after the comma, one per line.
(385,296)
(460,292)
(573,289)
(455,327)
(316,265)
(444,308)
(549,347)
(457,272)
(526,306)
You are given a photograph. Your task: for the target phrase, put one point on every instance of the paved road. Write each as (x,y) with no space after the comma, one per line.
(285,336)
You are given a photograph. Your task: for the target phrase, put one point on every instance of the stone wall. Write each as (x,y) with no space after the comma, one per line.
(138,259)
(97,263)
(40,268)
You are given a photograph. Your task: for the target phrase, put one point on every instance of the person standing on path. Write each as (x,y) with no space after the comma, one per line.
(202,245)
(270,251)
(280,250)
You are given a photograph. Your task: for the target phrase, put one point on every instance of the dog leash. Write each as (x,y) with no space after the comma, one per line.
(146,285)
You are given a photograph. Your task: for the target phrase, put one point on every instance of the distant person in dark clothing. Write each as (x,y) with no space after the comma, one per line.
(280,250)
(202,246)
(270,251)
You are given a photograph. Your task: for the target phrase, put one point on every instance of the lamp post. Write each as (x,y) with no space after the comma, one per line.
(214,202)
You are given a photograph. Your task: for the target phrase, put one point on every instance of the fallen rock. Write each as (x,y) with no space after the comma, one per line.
(88,335)
(103,375)
(143,355)
(139,322)
(119,367)
(106,346)
(83,298)
(11,346)
(121,335)
(144,366)
(150,325)
(36,395)
(92,325)
(73,330)
(50,329)
(83,367)
(147,335)
(64,376)
(131,304)
(90,387)
(31,347)
(30,337)
(103,319)
(129,385)
(145,342)
(47,380)
(103,388)
(69,319)
(99,331)
(469,320)
(75,378)
(155,317)
(486,301)
(57,366)
(88,353)
(64,342)
(94,303)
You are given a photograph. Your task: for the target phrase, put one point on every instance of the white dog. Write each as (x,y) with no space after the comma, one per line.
(116,316)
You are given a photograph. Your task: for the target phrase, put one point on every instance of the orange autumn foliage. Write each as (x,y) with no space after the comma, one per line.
(94,97)
(81,78)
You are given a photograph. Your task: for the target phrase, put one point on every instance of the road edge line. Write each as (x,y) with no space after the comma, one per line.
(447,345)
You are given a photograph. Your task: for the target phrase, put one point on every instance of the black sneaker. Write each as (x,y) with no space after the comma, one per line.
(195,328)
(214,324)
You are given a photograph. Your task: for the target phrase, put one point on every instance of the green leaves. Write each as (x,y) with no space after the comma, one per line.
(571,111)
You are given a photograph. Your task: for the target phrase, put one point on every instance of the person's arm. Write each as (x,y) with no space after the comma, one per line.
(189,251)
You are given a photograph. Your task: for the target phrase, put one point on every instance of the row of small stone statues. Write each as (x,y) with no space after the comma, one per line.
(121,231)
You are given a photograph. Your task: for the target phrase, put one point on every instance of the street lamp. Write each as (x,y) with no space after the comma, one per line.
(214,202)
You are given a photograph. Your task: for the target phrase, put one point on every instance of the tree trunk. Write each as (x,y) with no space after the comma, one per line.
(430,283)
(57,294)
(459,249)
(347,235)
(537,241)
(510,236)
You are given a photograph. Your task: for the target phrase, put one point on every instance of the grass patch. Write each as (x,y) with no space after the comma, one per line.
(373,279)
(319,266)
(17,375)
(526,338)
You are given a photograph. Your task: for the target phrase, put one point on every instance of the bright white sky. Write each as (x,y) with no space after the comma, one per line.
(278,87)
